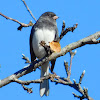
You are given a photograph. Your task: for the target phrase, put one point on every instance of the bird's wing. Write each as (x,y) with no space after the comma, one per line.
(56,35)
(54,60)
(33,57)
(52,64)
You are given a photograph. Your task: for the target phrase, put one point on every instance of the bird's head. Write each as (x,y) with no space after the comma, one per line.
(50,15)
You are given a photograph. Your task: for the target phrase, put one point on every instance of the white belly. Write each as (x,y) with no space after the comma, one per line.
(42,35)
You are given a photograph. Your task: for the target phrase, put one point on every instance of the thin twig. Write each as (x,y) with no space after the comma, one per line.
(27,82)
(21,24)
(11,19)
(74,85)
(81,77)
(26,59)
(71,57)
(66,67)
(80,97)
(25,25)
(65,31)
(63,27)
(28,10)
(29,90)
(46,47)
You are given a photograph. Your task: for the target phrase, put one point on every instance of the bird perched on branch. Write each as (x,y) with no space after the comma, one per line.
(45,29)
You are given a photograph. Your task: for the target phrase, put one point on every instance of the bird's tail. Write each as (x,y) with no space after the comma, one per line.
(44,86)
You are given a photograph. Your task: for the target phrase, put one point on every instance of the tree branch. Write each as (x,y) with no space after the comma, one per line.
(25,58)
(29,90)
(72,54)
(75,45)
(65,31)
(92,39)
(60,80)
(27,82)
(21,24)
(29,10)
(68,68)
(32,67)
(81,77)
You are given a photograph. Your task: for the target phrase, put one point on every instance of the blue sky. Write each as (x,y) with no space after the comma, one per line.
(13,43)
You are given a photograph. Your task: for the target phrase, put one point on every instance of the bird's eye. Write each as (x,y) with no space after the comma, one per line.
(49,15)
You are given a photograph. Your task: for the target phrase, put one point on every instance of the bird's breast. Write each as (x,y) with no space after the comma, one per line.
(42,35)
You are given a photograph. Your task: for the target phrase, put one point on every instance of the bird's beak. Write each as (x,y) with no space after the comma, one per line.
(55,17)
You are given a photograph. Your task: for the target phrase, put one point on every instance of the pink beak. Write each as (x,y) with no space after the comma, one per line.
(55,17)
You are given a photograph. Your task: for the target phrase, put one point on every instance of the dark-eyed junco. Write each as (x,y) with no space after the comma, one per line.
(45,29)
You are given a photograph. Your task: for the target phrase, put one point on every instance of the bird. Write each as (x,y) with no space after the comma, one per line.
(45,29)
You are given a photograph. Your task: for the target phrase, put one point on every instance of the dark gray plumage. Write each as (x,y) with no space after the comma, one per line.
(45,29)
